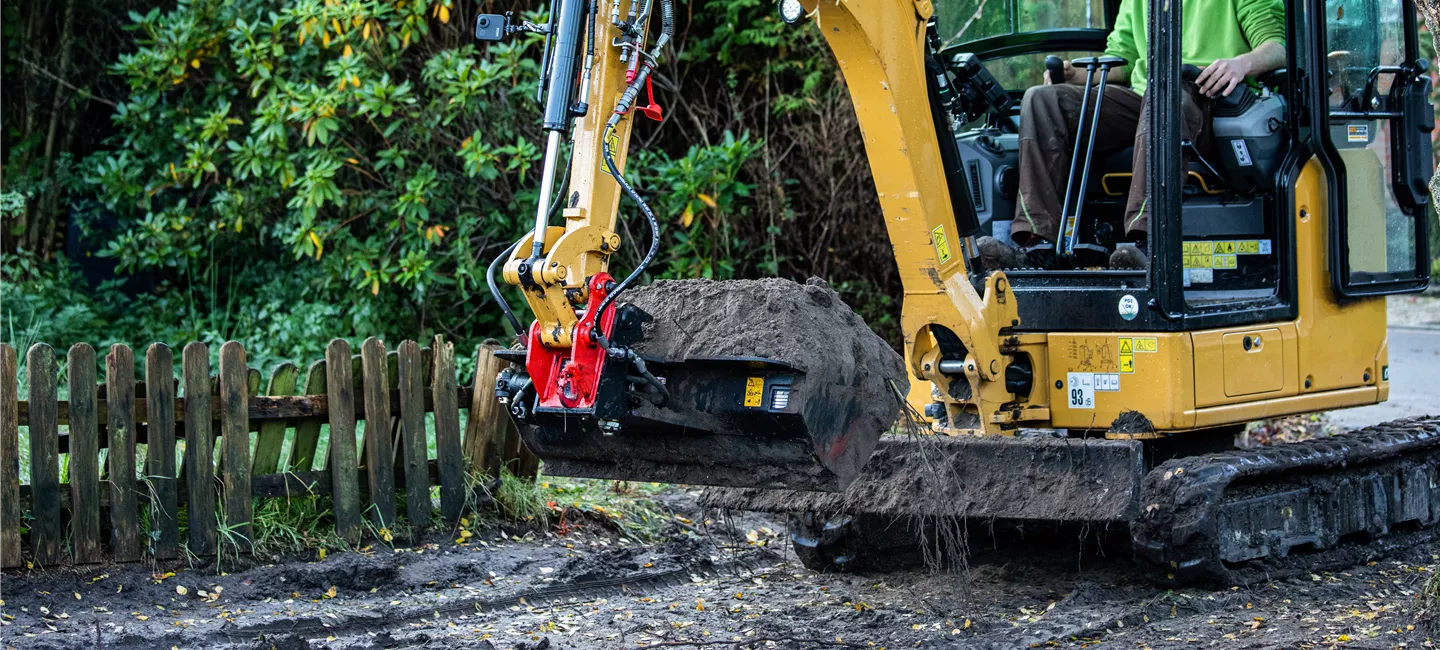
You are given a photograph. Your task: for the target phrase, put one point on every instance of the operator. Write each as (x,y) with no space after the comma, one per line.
(1232,40)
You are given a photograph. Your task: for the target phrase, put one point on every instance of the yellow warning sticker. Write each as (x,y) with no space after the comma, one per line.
(1197,254)
(754,390)
(1147,344)
(1224,248)
(942,245)
(1224,261)
(1248,247)
(1127,355)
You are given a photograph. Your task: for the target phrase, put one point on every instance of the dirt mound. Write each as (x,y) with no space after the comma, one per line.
(851,375)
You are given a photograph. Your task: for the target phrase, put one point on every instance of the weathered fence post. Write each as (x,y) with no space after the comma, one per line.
(46,539)
(272,432)
(379,454)
(199,449)
(345,485)
(160,449)
(84,454)
(235,436)
(120,408)
(10,555)
(412,435)
(307,432)
(485,430)
(448,453)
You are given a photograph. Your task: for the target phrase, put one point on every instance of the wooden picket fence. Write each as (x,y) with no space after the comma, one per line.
(392,392)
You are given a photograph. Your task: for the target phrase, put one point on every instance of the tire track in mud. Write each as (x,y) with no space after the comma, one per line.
(297,632)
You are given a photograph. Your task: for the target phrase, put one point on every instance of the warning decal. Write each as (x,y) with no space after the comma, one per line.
(754,391)
(1147,344)
(942,245)
(1220,254)
(1127,355)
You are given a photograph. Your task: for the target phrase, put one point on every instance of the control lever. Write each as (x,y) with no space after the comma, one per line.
(1056,67)
(1075,196)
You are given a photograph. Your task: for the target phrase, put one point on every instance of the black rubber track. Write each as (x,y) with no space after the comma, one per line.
(1178,530)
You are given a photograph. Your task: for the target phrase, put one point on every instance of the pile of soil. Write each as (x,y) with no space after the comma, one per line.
(854,381)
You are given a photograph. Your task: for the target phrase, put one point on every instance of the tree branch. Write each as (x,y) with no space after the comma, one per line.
(85,93)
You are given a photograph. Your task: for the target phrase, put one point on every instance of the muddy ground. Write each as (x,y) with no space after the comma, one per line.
(710,582)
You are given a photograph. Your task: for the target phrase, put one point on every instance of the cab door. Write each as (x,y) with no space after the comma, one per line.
(1375,131)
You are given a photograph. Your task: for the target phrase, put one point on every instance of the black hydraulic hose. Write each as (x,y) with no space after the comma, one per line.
(500,261)
(627,99)
(649,216)
(499,297)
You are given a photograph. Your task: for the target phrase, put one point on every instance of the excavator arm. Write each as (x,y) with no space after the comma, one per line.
(574,393)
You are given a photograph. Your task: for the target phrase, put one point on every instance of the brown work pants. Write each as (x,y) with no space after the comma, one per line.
(1049,116)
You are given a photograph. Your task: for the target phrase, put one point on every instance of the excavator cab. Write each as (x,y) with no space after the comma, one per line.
(1233,238)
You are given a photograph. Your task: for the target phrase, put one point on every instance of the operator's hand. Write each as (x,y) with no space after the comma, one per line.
(1222,76)
(1072,76)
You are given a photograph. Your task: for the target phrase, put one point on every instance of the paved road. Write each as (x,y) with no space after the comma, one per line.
(1414,380)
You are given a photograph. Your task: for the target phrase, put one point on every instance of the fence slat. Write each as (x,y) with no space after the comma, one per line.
(412,417)
(307,432)
(272,432)
(84,454)
(46,538)
(484,431)
(345,484)
(235,437)
(160,448)
(9,458)
(199,450)
(124,506)
(379,454)
(448,453)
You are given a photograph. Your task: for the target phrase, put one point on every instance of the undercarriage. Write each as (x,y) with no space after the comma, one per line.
(1236,516)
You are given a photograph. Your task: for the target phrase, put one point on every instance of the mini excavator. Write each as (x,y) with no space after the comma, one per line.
(1073,394)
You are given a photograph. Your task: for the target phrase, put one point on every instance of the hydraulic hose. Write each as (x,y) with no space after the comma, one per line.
(500,261)
(623,106)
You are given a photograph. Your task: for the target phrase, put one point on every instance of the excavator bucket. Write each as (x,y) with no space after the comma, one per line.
(794,415)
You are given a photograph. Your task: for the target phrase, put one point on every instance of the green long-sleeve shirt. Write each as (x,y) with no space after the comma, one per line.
(1211,30)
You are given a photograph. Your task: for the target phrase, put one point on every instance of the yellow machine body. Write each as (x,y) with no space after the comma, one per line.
(1331,355)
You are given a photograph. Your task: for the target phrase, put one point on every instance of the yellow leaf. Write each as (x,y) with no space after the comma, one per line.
(302,35)
(365,34)
(319,250)
(194,63)
(335,22)
(326,40)
(444,14)
(405,42)
(705,198)
(352,161)
(238,222)
(355,81)
(967,623)
(348,51)
(330,593)
(180,589)
(688,217)
(322,551)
